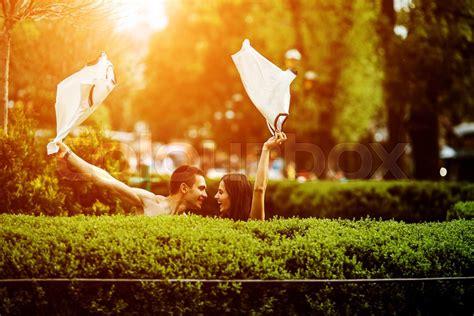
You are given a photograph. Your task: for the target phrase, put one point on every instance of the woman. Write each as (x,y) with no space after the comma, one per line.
(235,197)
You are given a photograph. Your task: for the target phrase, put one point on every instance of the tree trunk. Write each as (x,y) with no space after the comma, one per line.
(290,148)
(424,133)
(4,73)
(392,86)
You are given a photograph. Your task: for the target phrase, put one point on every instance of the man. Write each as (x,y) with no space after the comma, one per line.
(187,187)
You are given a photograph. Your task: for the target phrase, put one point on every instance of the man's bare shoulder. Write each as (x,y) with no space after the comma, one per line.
(161,199)
(153,204)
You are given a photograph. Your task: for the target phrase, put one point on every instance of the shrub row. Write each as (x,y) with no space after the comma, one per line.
(34,183)
(462,210)
(198,247)
(410,201)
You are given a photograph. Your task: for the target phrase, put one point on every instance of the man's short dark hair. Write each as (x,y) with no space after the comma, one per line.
(184,174)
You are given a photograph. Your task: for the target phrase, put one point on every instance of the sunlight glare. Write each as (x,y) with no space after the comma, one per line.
(136,14)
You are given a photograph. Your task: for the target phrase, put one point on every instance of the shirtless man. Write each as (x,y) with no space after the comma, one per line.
(187,187)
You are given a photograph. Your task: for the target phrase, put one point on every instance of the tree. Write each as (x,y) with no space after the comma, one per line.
(190,75)
(440,71)
(393,82)
(338,40)
(15,11)
(61,48)
(188,81)
(428,74)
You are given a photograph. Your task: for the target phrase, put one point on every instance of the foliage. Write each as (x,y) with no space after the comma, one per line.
(437,57)
(339,43)
(93,146)
(27,176)
(404,201)
(189,75)
(34,183)
(358,100)
(195,247)
(14,12)
(196,77)
(62,48)
(431,74)
(410,201)
(461,210)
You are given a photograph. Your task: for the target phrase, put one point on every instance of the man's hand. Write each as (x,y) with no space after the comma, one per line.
(275,140)
(63,149)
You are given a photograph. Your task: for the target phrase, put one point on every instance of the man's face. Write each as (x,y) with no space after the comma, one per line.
(196,194)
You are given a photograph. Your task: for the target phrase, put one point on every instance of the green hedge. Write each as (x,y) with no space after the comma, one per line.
(200,247)
(409,201)
(462,210)
(32,183)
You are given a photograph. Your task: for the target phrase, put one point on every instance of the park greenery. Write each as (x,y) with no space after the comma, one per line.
(196,247)
(462,210)
(177,80)
(367,76)
(36,184)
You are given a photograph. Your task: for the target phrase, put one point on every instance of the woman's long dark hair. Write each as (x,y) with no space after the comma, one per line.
(240,193)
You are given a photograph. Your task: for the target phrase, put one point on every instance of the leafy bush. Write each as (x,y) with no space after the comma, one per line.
(36,184)
(204,248)
(94,147)
(29,185)
(462,210)
(33,183)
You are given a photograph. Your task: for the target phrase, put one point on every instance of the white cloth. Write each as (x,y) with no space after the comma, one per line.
(79,95)
(267,85)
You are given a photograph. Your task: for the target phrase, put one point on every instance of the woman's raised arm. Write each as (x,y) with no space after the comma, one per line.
(258,208)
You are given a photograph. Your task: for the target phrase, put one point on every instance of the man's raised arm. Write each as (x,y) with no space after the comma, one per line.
(102,178)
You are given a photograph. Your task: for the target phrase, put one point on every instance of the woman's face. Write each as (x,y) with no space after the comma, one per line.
(223,199)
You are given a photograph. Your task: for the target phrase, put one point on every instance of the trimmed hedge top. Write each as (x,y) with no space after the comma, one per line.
(198,247)
(409,201)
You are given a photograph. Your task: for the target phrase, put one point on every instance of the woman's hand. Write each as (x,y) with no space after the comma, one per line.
(275,141)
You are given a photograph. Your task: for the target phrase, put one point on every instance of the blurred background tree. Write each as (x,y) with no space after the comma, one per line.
(355,74)
(190,78)
(429,72)
(343,102)
(35,75)
(14,12)
(189,83)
